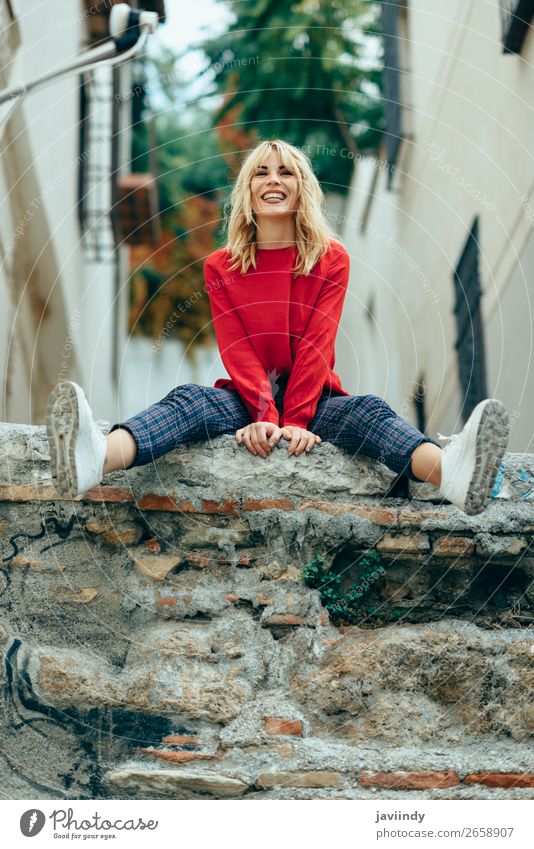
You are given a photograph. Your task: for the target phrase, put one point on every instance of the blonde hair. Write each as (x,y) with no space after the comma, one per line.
(312,231)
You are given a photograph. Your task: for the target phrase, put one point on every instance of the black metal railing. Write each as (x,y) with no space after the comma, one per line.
(516,17)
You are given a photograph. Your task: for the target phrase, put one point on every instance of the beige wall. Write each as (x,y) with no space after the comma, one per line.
(472,118)
(38,265)
(60,316)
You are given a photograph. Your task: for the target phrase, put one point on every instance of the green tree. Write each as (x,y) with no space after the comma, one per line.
(180,145)
(304,71)
(174,140)
(181,148)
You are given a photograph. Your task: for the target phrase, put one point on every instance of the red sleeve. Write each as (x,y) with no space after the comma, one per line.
(316,350)
(237,353)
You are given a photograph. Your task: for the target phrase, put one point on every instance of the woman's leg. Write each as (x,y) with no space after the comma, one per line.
(426,463)
(121,450)
(122,447)
(80,455)
(367,424)
(187,413)
(465,470)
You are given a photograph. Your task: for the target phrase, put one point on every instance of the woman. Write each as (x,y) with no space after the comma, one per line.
(276,293)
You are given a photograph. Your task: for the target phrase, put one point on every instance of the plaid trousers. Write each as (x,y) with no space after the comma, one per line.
(363,424)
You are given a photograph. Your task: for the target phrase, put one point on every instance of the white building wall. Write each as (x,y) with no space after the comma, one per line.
(45,126)
(473,117)
(148,372)
(59,316)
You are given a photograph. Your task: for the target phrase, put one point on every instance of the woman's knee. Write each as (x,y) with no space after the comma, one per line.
(372,405)
(204,411)
(185,392)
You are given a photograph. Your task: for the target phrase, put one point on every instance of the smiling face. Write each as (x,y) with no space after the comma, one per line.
(274,188)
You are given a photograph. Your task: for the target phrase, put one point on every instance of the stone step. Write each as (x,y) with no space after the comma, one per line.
(316,768)
(25,460)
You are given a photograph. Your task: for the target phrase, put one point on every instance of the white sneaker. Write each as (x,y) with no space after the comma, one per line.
(471,460)
(77,443)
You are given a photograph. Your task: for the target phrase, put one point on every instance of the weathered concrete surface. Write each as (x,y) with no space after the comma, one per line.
(158,641)
(24,459)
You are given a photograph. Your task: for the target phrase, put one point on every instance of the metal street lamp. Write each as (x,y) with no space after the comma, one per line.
(129,29)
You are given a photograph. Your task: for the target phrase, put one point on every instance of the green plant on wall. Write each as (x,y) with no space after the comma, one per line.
(344,605)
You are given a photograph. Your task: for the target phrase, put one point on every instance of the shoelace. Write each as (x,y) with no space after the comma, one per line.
(450,438)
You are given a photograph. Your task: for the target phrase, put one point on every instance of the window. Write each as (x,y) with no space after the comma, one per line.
(369,310)
(418,400)
(395,79)
(469,330)
(95,175)
(516,16)
(113,205)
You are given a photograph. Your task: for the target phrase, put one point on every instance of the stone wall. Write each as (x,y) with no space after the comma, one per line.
(159,641)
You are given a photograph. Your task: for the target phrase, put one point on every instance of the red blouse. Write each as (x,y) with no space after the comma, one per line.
(268,324)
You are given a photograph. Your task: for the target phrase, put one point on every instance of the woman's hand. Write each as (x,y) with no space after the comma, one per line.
(259,437)
(301,439)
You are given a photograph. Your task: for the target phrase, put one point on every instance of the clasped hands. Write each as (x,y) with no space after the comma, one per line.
(261,437)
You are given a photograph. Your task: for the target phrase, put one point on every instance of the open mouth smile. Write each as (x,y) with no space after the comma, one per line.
(273,197)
